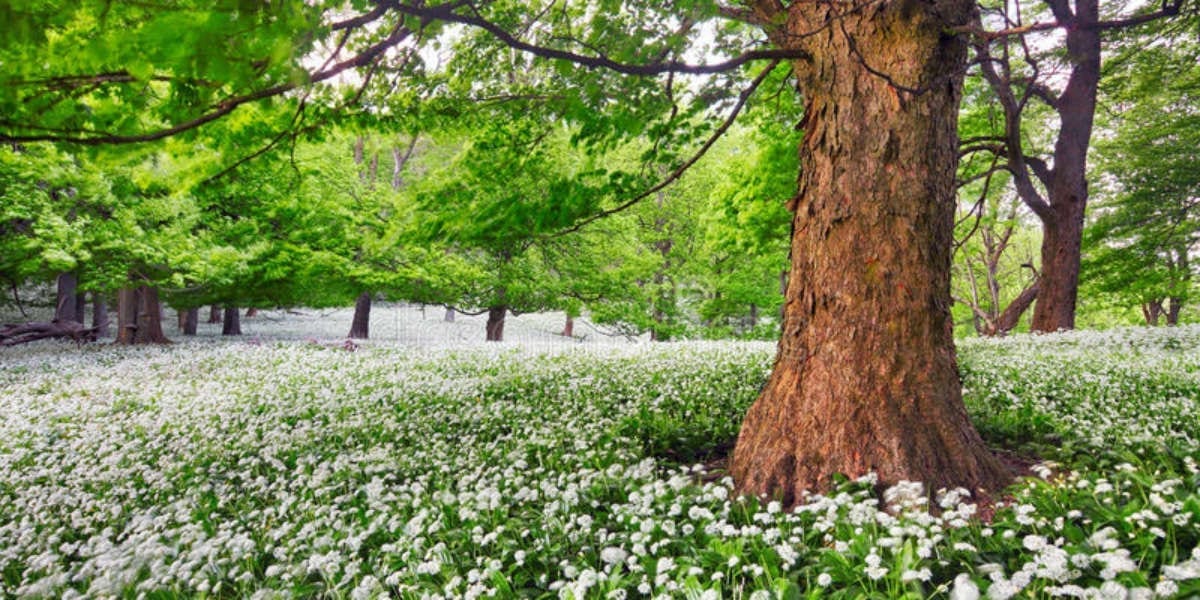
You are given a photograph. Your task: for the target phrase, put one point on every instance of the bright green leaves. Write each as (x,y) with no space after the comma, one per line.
(1140,245)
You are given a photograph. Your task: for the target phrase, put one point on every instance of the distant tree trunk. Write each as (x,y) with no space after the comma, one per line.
(100,315)
(127,303)
(753,316)
(449,318)
(361,324)
(180,318)
(67,299)
(1061,242)
(1174,305)
(1064,177)
(80,307)
(214,314)
(139,316)
(865,378)
(149,330)
(495,323)
(569,327)
(251,312)
(232,323)
(191,319)
(1152,310)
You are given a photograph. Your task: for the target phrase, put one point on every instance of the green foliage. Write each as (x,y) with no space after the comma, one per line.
(1147,224)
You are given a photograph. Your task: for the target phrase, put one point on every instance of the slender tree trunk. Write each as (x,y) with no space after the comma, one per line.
(753,316)
(569,327)
(251,312)
(449,318)
(361,324)
(214,314)
(100,315)
(865,378)
(181,318)
(67,299)
(232,323)
(495,323)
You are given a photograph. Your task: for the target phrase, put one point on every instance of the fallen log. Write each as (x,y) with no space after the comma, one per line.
(13,334)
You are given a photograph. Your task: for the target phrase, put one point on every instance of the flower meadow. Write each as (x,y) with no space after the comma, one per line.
(281,469)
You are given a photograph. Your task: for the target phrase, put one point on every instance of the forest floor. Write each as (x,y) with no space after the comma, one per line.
(273,466)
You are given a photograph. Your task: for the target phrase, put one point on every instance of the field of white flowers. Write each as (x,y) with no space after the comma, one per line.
(268,467)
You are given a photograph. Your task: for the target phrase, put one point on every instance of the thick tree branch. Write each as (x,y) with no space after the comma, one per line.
(446,13)
(1015,153)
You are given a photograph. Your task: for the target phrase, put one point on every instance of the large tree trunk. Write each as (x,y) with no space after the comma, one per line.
(495,323)
(361,324)
(191,319)
(139,316)
(232,323)
(67,299)
(100,315)
(1059,282)
(865,378)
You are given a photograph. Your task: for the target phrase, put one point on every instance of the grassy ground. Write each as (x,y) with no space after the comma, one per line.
(272,466)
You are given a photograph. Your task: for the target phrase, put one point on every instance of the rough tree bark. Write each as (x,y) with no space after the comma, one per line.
(232,323)
(495,322)
(361,324)
(139,316)
(865,378)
